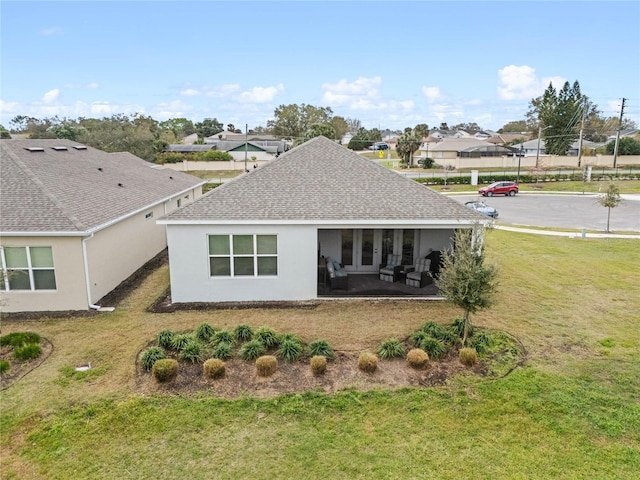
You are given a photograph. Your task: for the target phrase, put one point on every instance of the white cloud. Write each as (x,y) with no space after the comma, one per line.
(8,107)
(107,109)
(521,83)
(432,93)
(173,109)
(260,94)
(92,86)
(51,96)
(358,94)
(47,32)
(218,91)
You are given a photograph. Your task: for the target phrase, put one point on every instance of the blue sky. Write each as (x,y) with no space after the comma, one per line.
(388,64)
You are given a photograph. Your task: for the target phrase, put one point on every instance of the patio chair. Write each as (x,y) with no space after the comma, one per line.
(391,271)
(419,275)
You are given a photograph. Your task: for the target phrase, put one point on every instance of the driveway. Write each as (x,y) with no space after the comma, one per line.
(562,211)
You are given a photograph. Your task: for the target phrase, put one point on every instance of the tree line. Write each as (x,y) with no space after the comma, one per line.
(557,115)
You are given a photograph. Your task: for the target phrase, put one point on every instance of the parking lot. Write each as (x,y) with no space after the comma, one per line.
(562,211)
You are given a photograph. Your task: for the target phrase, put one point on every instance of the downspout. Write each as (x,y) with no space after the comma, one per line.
(86,277)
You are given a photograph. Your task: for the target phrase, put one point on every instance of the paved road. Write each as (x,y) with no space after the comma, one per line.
(562,211)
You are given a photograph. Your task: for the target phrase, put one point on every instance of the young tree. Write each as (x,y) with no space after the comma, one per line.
(292,121)
(610,199)
(464,278)
(208,127)
(325,130)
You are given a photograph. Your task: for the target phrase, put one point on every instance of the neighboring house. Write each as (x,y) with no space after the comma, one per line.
(530,148)
(449,148)
(75,222)
(262,236)
(188,148)
(507,138)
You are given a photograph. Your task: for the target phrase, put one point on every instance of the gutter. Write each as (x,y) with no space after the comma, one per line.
(86,278)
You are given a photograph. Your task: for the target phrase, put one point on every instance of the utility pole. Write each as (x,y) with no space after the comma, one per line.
(584,114)
(615,149)
(246,136)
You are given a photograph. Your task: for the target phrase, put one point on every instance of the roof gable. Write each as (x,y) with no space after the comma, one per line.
(60,186)
(321,180)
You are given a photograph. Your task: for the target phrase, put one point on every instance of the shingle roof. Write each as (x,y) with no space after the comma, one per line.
(62,189)
(322,181)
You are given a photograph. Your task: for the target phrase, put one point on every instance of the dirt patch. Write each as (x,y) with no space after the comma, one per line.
(18,369)
(342,372)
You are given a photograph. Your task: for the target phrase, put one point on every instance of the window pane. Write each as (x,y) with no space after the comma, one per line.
(243,266)
(242,244)
(407,247)
(218,244)
(16,257)
(267,265)
(44,279)
(41,257)
(347,247)
(387,243)
(19,280)
(367,247)
(219,266)
(267,244)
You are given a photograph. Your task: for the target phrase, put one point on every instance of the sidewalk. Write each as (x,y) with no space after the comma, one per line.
(580,235)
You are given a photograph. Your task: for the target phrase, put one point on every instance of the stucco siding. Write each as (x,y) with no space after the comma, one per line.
(116,252)
(189,262)
(70,292)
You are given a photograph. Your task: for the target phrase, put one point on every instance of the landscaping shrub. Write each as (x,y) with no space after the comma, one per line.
(252,350)
(214,368)
(290,348)
(481,341)
(181,340)
(417,358)
(468,356)
(391,348)
(205,332)
(457,327)
(192,351)
(434,347)
(223,336)
(318,364)
(222,351)
(27,351)
(267,337)
(165,370)
(416,338)
(4,366)
(243,333)
(16,339)
(165,339)
(438,331)
(150,356)
(266,365)
(320,347)
(368,362)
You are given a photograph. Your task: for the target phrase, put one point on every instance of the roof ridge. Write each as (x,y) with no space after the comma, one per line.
(72,218)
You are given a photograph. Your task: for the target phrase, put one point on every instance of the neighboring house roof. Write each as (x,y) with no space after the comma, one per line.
(503,138)
(319,182)
(226,135)
(60,187)
(179,147)
(457,144)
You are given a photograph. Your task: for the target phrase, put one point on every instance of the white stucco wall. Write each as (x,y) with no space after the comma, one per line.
(189,261)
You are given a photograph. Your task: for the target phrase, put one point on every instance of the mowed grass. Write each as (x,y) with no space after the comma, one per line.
(572,411)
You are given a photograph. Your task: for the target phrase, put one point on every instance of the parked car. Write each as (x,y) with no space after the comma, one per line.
(379,146)
(483,208)
(499,188)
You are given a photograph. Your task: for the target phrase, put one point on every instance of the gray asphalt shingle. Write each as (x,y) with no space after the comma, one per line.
(76,190)
(321,180)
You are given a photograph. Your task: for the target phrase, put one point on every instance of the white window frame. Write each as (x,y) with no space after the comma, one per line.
(231,256)
(29,268)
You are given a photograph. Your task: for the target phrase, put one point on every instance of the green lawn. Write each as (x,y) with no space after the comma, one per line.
(572,411)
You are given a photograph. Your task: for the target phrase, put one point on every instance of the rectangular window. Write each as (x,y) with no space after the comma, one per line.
(243,255)
(347,247)
(27,268)
(407,246)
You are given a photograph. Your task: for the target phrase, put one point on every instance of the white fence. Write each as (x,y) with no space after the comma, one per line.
(546,161)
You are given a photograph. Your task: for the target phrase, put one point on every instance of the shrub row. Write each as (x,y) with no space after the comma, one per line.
(208,342)
(524,178)
(207,156)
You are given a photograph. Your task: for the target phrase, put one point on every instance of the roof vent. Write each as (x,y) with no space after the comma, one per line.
(60,149)
(79,147)
(170,178)
(120,185)
(99,169)
(34,149)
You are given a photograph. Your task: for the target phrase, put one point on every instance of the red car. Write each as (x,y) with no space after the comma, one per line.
(499,188)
